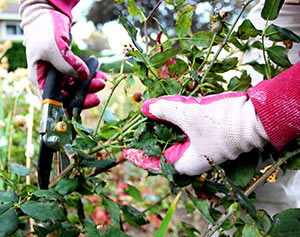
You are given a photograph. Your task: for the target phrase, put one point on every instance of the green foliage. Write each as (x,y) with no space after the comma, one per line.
(99,183)
(16,56)
(271,9)
(286,223)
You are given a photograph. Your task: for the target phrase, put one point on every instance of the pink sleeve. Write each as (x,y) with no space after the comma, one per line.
(277,103)
(64,6)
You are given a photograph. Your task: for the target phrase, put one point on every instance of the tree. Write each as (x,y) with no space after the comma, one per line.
(104,11)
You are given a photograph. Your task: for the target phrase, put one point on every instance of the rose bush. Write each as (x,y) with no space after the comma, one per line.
(99,196)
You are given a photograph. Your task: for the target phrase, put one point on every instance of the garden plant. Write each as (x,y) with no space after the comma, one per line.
(82,201)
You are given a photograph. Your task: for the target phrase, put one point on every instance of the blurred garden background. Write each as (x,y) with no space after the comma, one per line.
(95,31)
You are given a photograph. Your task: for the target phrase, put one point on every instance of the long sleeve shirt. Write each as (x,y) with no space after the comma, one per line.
(65,6)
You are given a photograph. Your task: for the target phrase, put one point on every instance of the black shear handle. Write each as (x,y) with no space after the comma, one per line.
(52,87)
(52,90)
(77,96)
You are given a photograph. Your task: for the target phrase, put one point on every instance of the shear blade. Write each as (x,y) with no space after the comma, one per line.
(44,164)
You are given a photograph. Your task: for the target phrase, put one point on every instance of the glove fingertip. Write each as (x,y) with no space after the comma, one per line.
(91,100)
(96,85)
(140,159)
(146,108)
(101,75)
(175,152)
(83,72)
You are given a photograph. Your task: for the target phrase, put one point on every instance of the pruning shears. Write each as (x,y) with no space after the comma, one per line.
(56,130)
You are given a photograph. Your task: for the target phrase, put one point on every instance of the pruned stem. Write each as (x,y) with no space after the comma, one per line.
(221,46)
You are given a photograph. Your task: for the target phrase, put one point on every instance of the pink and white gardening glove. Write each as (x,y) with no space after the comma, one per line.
(219,127)
(46,31)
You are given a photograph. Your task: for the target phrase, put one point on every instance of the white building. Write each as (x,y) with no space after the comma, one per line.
(10,22)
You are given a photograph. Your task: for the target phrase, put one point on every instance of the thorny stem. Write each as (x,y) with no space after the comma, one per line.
(270,171)
(133,123)
(268,69)
(233,207)
(106,104)
(208,53)
(222,174)
(146,21)
(62,174)
(221,46)
(157,203)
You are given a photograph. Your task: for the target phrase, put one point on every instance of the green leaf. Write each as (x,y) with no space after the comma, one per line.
(190,208)
(202,39)
(242,170)
(184,44)
(263,222)
(178,68)
(83,144)
(152,150)
(184,20)
(43,211)
(161,231)
(66,186)
(202,206)
(133,216)
(245,203)
(240,84)
(131,30)
(84,188)
(190,230)
(277,33)
(167,168)
(19,169)
(113,232)
(160,58)
(80,210)
(48,194)
(162,131)
(257,44)
(156,89)
(172,86)
(9,196)
(82,128)
(286,223)
(101,164)
(271,9)
(247,30)
(91,231)
(147,142)
(249,231)
(134,192)
(8,220)
(134,10)
(69,233)
(293,163)
(99,184)
(109,117)
(261,68)
(113,210)
(225,65)
(71,151)
(279,56)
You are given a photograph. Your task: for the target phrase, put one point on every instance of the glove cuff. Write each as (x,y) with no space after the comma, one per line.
(64,6)
(30,9)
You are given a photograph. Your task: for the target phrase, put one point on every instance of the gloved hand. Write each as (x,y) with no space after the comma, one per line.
(47,41)
(219,127)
